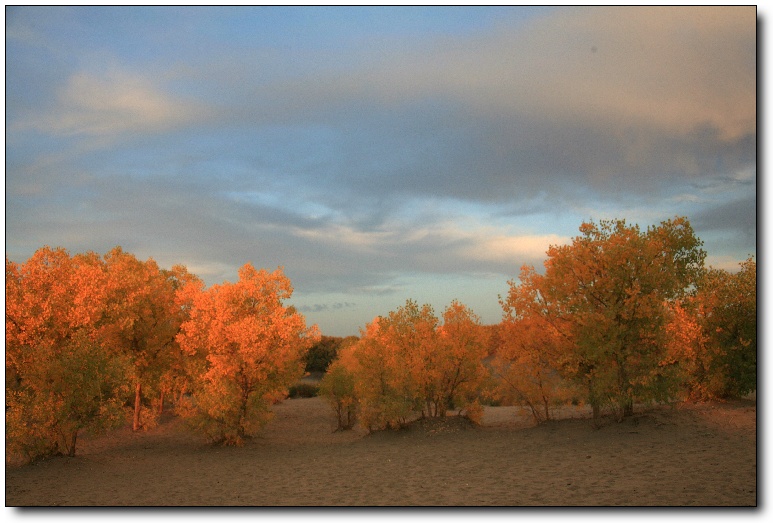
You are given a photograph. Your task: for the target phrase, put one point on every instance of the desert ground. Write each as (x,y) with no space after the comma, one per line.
(692,454)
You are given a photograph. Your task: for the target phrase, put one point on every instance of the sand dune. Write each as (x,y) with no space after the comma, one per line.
(689,455)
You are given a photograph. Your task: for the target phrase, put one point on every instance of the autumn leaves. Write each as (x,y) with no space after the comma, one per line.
(248,347)
(408,363)
(622,315)
(88,335)
(619,316)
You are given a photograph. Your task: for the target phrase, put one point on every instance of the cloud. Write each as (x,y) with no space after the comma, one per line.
(436,246)
(619,100)
(110,104)
(674,69)
(726,263)
(738,215)
(325,307)
(454,153)
(500,248)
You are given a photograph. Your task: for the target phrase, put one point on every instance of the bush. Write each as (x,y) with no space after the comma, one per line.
(304,390)
(320,355)
(338,389)
(79,389)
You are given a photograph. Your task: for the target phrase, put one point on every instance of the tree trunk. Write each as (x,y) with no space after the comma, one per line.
(73,439)
(161,403)
(340,414)
(628,408)
(627,396)
(593,400)
(137,405)
(244,400)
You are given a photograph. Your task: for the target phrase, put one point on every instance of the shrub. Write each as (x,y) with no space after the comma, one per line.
(338,389)
(320,355)
(304,390)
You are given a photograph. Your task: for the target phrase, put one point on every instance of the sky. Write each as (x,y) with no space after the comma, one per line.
(377,154)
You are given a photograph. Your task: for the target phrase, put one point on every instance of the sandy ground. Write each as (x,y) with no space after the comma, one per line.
(690,455)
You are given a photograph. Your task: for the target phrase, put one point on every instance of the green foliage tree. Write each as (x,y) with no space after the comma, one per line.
(320,355)
(78,388)
(338,388)
(730,321)
(715,334)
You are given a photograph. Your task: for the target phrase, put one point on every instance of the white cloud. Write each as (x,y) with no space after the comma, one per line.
(210,271)
(351,238)
(111,104)
(434,247)
(502,248)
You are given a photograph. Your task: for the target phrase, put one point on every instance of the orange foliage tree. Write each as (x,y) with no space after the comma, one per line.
(526,365)
(714,333)
(382,380)
(406,364)
(531,353)
(59,378)
(143,321)
(460,373)
(687,345)
(606,296)
(252,345)
(177,367)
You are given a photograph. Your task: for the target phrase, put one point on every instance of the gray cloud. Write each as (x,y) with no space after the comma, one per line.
(324,307)
(739,215)
(350,167)
(505,115)
(501,115)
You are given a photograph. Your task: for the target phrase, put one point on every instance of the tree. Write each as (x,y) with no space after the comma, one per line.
(715,333)
(382,380)
(527,364)
(606,295)
(338,388)
(410,335)
(320,355)
(460,373)
(253,346)
(730,321)
(59,378)
(406,364)
(176,367)
(81,387)
(142,322)
(688,346)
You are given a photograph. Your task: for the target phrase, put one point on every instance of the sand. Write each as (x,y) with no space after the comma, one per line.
(704,455)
